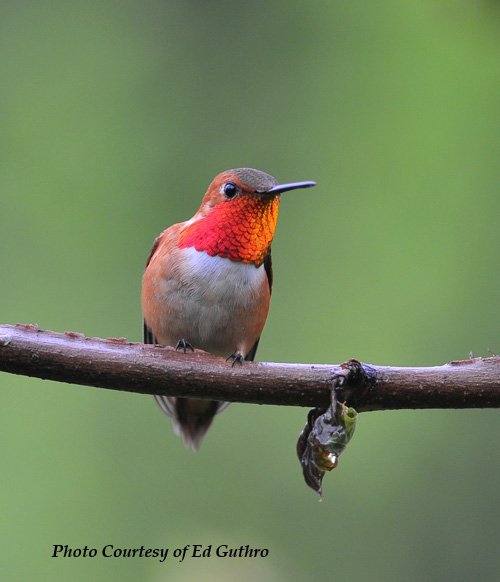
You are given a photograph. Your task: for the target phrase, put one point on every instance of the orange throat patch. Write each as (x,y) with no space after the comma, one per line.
(241,229)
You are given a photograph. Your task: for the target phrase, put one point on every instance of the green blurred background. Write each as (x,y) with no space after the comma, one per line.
(115,116)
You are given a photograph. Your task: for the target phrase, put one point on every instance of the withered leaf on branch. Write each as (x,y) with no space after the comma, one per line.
(323,439)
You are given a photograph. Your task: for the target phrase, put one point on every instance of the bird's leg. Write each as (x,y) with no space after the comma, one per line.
(184,345)
(236,358)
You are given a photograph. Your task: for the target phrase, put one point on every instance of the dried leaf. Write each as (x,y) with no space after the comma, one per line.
(323,439)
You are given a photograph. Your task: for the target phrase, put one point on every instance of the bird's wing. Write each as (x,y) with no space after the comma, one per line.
(153,250)
(268,266)
(149,338)
(164,402)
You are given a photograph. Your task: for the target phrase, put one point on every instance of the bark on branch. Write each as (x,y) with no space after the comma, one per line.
(134,367)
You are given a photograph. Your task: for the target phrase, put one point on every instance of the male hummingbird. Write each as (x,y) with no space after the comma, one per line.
(208,280)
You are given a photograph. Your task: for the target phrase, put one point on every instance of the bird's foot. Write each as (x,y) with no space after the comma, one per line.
(236,358)
(184,345)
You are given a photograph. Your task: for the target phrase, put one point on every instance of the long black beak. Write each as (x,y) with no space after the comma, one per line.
(285,187)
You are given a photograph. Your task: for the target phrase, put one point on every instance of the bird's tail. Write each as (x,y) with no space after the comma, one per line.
(190,418)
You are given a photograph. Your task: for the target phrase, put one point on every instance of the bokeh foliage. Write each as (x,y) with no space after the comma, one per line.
(115,115)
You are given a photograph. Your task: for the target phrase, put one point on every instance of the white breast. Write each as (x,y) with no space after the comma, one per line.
(215,301)
(219,279)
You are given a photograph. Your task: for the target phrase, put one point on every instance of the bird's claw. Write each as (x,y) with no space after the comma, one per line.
(236,358)
(184,345)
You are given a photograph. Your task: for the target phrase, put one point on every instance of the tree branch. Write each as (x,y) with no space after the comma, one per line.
(134,367)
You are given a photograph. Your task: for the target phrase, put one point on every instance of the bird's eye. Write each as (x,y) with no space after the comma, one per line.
(230,190)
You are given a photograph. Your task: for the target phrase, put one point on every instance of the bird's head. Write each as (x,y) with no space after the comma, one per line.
(238,215)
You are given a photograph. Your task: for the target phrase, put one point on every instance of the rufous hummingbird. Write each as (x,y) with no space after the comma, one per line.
(208,280)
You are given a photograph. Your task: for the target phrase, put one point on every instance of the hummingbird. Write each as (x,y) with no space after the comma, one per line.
(207,282)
